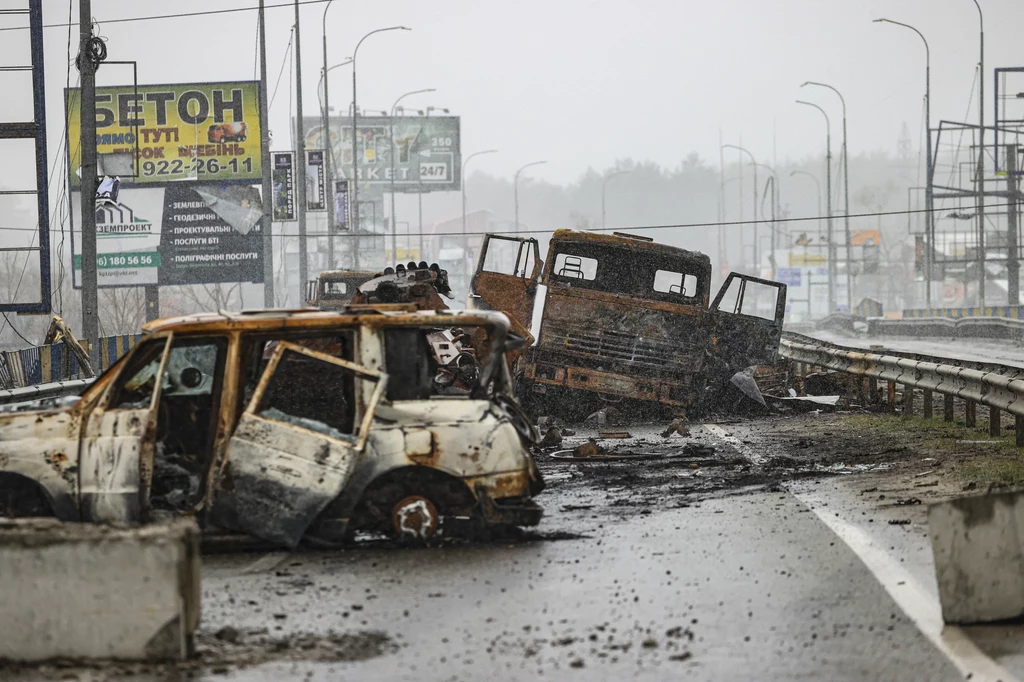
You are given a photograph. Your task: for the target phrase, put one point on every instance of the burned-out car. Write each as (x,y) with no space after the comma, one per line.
(284,425)
(626,318)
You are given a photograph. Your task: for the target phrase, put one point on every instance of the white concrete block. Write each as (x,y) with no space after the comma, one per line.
(978,544)
(82,591)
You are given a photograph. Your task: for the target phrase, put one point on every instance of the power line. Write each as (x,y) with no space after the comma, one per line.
(653,227)
(766,221)
(183,15)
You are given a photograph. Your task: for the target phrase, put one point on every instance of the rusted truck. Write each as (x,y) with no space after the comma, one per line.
(625,319)
(285,425)
(417,283)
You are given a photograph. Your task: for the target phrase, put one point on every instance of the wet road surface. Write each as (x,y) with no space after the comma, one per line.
(708,560)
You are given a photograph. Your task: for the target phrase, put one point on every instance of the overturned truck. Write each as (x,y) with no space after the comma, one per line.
(626,319)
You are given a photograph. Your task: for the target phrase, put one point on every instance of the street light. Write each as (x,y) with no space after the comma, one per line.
(604,184)
(846,197)
(775,209)
(929,170)
(817,183)
(355,129)
(828,207)
(980,198)
(516,188)
(328,147)
(391,132)
(757,263)
(462,181)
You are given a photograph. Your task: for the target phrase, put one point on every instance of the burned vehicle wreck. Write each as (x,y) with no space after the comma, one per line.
(285,425)
(626,319)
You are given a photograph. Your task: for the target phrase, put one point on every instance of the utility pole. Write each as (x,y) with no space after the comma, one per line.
(300,152)
(268,190)
(1012,197)
(325,135)
(90,295)
(980,199)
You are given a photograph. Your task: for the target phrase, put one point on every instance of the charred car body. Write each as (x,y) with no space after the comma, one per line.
(415,283)
(284,425)
(625,318)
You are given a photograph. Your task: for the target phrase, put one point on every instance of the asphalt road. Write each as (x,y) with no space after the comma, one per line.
(976,350)
(745,584)
(696,563)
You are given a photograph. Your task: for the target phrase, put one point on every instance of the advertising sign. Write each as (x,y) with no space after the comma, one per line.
(197,131)
(283,181)
(426,150)
(341,205)
(788,276)
(315,177)
(181,234)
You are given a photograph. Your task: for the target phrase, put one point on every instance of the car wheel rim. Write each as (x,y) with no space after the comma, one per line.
(415,517)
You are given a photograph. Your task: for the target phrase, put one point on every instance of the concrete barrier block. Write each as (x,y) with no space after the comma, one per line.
(81,591)
(978,544)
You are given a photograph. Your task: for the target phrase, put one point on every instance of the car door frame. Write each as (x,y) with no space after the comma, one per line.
(117,447)
(275,493)
(741,335)
(518,306)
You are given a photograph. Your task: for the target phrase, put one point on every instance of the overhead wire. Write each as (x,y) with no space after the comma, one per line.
(182,15)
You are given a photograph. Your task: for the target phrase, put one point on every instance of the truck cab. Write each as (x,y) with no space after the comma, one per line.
(626,318)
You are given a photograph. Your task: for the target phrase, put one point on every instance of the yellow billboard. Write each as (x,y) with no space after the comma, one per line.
(200,132)
(807,259)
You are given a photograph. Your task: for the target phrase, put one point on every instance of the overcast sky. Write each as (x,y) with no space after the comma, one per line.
(581,83)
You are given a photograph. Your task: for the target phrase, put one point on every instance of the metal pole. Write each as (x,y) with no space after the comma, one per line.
(300,147)
(325,134)
(846,199)
(980,199)
(757,264)
(268,190)
(723,254)
(929,169)
(355,129)
(604,185)
(516,188)
(462,182)
(828,207)
(90,294)
(1013,257)
(391,132)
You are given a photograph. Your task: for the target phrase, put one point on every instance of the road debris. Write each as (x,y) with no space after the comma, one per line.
(676,426)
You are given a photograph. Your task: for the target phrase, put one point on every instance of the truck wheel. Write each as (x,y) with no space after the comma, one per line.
(415,518)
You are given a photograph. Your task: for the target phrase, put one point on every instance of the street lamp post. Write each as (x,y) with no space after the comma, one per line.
(462,182)
(775,210)
(757,264)
(516,188)
(329,159)
(355,129)
(929,170)
(604,185)
(828,207)
(980,198)
(846,198)
(391,133)
(817,183)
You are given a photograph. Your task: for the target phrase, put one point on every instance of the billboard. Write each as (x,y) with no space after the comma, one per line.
(315,177)
(186,233)
(426,150)
(341,202)
(206,132)
(283,182)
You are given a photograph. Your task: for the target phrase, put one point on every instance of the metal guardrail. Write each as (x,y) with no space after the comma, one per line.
(55,389)
(967,327)
(999,387)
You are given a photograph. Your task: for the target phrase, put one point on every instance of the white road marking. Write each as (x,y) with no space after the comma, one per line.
(919,605)
(267,562)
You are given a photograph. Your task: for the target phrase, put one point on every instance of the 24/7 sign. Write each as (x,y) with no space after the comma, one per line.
(410,153)
(204,132)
